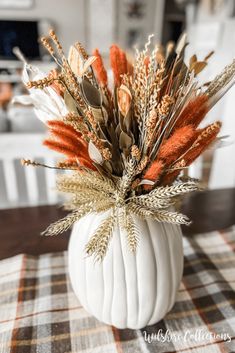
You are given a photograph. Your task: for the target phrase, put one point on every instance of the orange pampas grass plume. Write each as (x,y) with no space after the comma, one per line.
(100,71)
(64,128)
(68,141)
(172,148)
(154,171)
(69,151)
(123,62)
(60,147)
(193,113)
(205,138)
(115,61)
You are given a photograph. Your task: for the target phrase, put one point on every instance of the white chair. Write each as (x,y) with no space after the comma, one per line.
(26,186)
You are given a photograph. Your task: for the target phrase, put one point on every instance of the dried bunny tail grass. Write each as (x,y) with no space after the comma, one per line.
(193,113)
(100,71)
(171,175)
(123,62)
(71,141)
(154,171)
(205,138)
(61,148)
(115,64)
(64,128)
(179,141)
(71,151)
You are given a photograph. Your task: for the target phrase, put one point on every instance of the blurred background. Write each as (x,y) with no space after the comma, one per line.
(210,25)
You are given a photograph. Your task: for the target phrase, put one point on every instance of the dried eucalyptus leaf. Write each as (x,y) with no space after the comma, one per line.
(118,130)
(199,66)
(98,115)
(108,167)
(127,122)
(91,94)
(192,60)
(125,141)
(94,153)
(70,102)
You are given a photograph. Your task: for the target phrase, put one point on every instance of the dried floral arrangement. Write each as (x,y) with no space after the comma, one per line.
(125,146)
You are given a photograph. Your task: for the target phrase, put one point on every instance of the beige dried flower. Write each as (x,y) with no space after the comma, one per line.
(106,154)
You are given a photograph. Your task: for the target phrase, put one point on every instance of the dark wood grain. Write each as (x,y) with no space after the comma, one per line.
(20,228)
(20,231)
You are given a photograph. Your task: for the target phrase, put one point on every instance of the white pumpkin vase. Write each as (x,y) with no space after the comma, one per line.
(126,289)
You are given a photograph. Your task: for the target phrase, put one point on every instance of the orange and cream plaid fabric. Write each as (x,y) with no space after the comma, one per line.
(40,314)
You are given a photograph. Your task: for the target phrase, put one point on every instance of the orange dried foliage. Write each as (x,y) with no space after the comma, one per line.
(76,144)
(154,170)
(68,141)
(100,71)
(204,137)
(193,113)
(64,128)
(208,135)
(123,62)
(60,147)
(170,177)
(174,147)
(70,152)
(115,61)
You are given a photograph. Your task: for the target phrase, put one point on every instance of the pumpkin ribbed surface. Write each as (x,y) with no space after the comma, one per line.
(127,290)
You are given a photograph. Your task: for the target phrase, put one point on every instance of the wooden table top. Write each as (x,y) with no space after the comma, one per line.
(20,228)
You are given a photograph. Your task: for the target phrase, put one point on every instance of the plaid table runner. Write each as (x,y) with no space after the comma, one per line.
(39,312)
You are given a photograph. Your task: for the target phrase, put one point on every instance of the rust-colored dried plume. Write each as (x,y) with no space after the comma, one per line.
(173,147)
(66,140)
(194,112)
(100,71)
